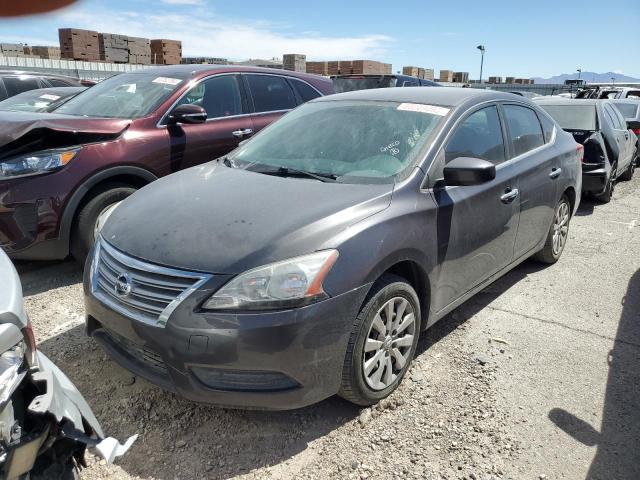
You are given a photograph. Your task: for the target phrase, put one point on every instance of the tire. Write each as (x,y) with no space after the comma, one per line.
(83,231)
(395,352)
(628,173)
(551,251)
(607,195)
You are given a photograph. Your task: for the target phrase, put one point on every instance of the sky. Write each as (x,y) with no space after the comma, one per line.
(532,39)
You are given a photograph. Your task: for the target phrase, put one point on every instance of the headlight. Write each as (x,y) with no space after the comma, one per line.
(287,284)
(39,162)
(10,363)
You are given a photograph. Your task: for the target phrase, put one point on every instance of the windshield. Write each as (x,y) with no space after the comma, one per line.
(355,142)
(128,95)
(350,84)
(573,117)
(37,100)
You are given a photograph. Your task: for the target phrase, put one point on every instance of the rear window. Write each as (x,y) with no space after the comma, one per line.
(573,117)
(16,85)
(271,93)
(306,91)
(628,110)
(350,84)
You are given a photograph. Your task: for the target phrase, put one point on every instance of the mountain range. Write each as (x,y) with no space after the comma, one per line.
(590,77)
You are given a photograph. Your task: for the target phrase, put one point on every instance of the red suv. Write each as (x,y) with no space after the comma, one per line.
(60,171)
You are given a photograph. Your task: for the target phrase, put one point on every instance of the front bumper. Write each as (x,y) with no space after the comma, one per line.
(294,358)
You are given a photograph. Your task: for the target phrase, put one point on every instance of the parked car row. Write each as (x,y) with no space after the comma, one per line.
(14,82)
(610,145)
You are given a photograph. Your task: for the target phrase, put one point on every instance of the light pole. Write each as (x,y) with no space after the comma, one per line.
(613,80)
(482,50)
(579,70)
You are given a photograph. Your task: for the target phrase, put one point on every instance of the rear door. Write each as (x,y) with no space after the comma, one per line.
(228,122)
(476,224)
(538,165)
(271,96)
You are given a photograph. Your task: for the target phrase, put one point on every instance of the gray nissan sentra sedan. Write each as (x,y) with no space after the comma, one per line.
(307,262)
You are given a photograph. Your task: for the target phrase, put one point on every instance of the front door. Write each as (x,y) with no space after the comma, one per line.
(227,123)
(476,225)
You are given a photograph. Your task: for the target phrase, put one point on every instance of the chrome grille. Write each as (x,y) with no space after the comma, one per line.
(139,290)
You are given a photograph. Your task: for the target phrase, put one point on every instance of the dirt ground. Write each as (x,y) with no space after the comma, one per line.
(537,377)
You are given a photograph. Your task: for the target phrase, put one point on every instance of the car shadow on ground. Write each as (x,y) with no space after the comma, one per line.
(618,441)
(586,207)
(185,440)
(39,276)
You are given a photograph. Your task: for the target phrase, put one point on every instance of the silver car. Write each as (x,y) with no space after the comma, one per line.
(45,423)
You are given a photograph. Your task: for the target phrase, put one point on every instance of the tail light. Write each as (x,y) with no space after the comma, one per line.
(636,131)
(30,340)
(580,153)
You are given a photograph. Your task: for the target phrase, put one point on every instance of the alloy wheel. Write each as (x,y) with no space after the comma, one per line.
(387,347)
(560,228)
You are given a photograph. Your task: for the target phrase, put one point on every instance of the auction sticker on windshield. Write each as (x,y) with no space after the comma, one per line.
(48,96)
(167,80)
(419,107)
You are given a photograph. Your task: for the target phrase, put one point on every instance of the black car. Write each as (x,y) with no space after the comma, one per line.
(307,262)
(350,83)
(609,147)
(40,99)
(13,82)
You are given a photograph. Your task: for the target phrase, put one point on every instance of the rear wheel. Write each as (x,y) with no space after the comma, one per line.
(558,233)
(607,195)
(87,222)
(628,173)
(382,343)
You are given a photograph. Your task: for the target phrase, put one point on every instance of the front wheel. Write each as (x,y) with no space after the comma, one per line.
(88,220)
(382,343)
(558,233)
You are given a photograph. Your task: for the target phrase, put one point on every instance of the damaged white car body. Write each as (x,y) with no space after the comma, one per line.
(45,422)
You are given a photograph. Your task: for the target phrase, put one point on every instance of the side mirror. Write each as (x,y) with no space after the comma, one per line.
(468,171)
(187,113)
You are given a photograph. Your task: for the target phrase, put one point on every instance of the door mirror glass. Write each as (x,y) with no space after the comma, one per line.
(468,171)
(187,113)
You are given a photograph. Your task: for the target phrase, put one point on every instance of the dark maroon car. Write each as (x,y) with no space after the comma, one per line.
(60,171)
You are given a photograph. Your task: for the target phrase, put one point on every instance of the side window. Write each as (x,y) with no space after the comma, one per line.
(547,126)
(16,85)
(219,96)
(55,82)
(524,128)
(271,93)
(633,94)
(478,136)
(305,90)
(613,118)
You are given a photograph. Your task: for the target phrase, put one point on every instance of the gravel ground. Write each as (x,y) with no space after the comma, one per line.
(536,377)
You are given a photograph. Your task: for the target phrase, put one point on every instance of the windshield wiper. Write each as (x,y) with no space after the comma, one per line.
(292,172)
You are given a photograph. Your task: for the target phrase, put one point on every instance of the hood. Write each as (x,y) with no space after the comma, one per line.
(22,132)
(217,219)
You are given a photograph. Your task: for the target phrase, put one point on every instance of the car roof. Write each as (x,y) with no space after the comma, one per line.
(37,74)
(196,71)
(53,90)
(446,96)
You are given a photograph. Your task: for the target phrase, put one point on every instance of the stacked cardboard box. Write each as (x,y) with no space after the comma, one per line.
(113,48)
(294,62)
(446,75)
(11,49)
(461,77)
(45,51)
(79,44)
(370,67)
(318,68)
(495,79)
(510,80)
(412,71)
(166,52)
(139,50)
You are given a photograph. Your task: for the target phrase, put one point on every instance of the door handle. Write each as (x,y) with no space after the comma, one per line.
(509,195)
(242,132)
(555,173)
